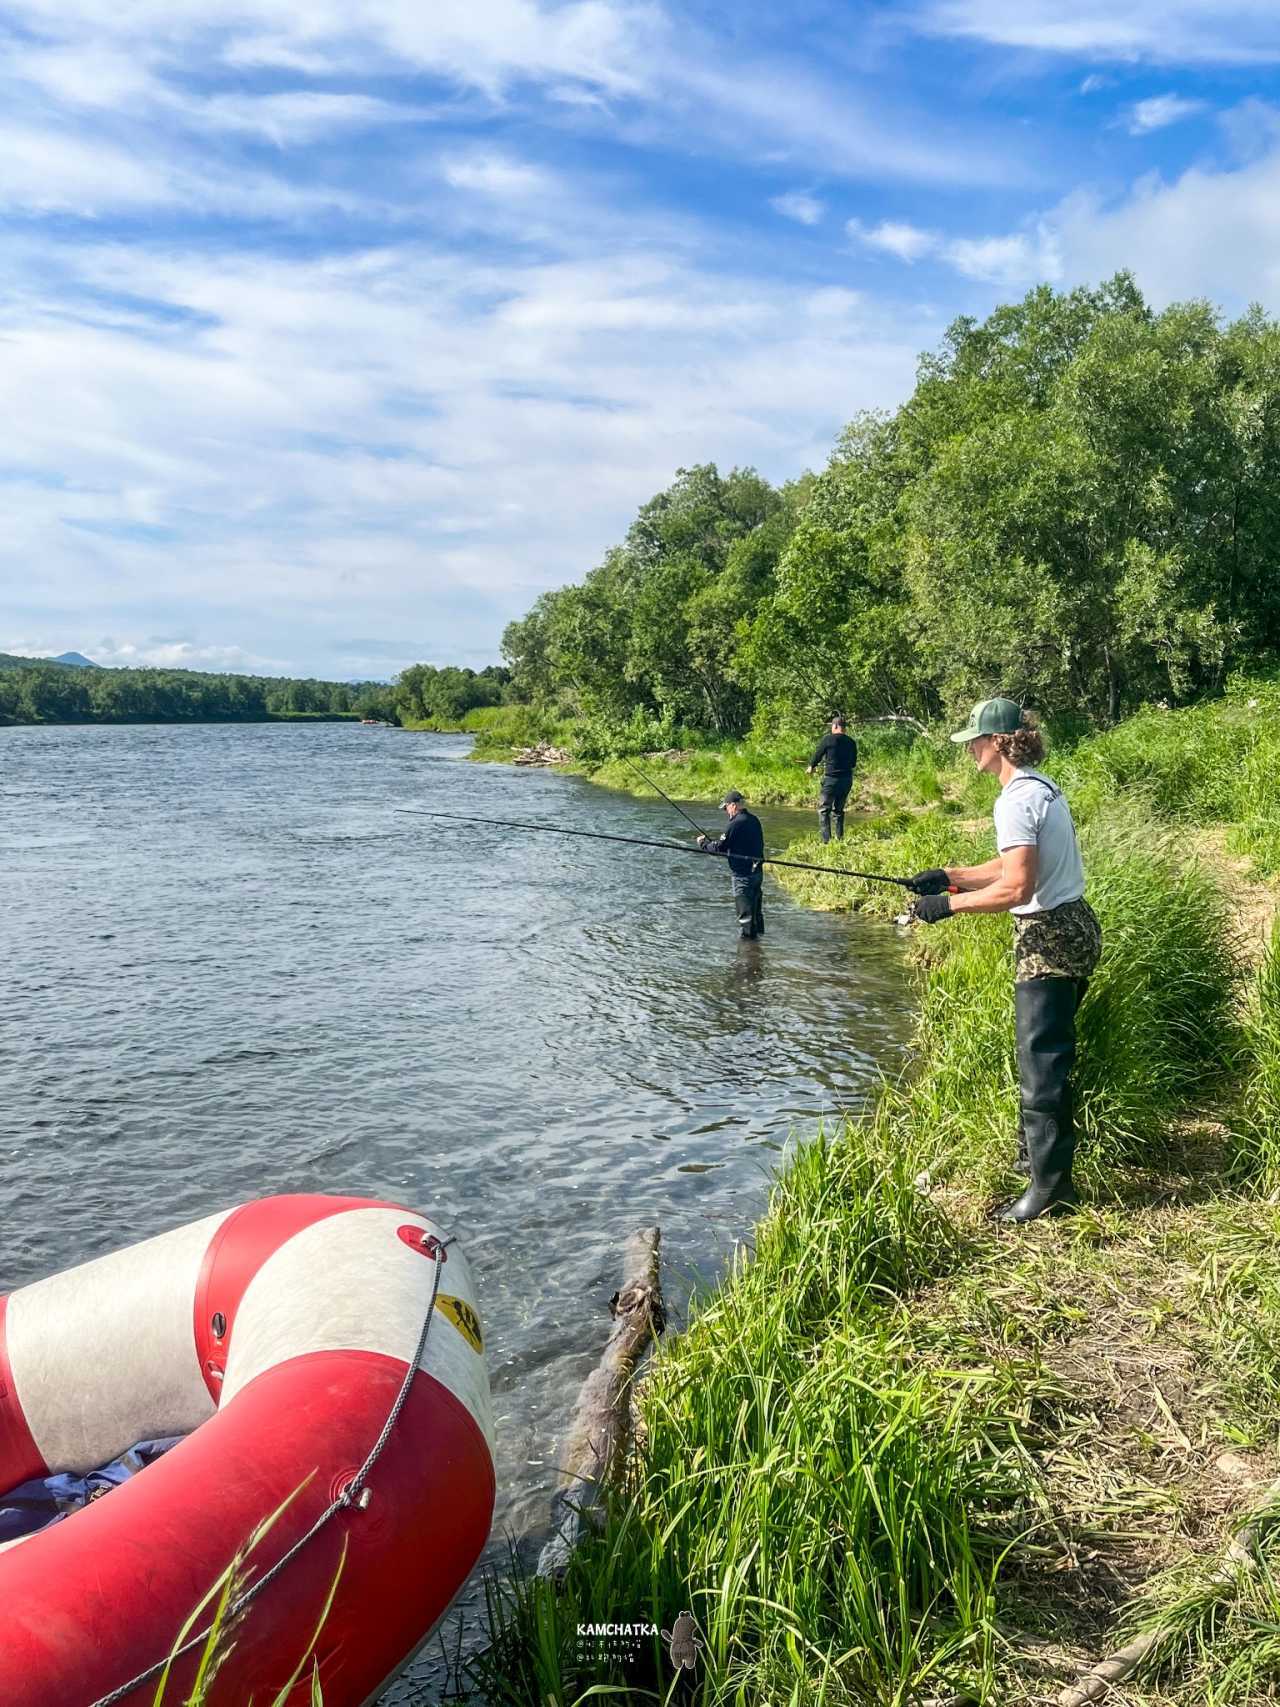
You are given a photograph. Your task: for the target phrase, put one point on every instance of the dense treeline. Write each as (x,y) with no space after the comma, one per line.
(425,694)
(1079,503)
(35,692)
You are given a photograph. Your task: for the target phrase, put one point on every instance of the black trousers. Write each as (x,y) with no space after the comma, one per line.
(748,903)
(1045,1018)
(831,804)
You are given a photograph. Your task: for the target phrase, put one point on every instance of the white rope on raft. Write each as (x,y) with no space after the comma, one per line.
(354,1495)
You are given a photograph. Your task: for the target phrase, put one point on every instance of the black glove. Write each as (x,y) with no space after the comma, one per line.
(932,909)
(932,882)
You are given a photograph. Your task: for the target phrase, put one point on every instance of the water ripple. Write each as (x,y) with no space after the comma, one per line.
(233,969)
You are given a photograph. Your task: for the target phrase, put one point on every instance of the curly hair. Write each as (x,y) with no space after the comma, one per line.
(1025,746)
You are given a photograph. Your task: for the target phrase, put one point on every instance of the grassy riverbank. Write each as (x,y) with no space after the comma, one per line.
(899,1457)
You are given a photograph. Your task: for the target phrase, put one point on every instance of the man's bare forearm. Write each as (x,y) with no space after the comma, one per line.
(976,876)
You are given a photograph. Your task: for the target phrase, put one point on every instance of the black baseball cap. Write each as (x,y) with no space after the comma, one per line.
(732,798)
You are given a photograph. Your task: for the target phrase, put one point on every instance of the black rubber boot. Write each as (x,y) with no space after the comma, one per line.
(1021,1160)
(824,822)
(838,822)
(1045,1010)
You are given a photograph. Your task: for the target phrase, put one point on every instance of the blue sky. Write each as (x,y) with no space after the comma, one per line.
(333,331)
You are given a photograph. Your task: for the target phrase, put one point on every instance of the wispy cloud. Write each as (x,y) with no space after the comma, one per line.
(481,43)
(1013,261)
(398,426)
(498,175)
(168,654)
(895,237)
(1158,111)
(1167,31)
(800,206)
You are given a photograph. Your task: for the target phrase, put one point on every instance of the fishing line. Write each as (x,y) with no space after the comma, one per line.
(643,842)
(665,796)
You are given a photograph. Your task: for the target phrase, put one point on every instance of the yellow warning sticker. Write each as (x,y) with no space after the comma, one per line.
(463,1318)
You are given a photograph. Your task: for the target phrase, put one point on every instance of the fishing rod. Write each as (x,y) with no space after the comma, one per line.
(643,842)
(665,796)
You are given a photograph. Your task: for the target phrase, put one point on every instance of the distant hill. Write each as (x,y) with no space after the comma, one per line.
(73,660)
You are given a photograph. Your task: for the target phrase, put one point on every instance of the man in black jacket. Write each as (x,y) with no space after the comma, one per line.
(743,841)
(838,754)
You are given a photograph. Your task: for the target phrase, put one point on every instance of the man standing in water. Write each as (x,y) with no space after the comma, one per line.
(1038,877)
(743,841)
(838,754)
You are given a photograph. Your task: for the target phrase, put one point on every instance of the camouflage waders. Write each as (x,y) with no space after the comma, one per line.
(1062,942)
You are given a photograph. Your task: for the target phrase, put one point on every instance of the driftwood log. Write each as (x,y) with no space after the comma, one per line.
(1097,1682)
(542,754)
(900,717)
(595,1447)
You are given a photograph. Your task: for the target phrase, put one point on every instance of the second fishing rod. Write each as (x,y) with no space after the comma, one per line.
(643,842)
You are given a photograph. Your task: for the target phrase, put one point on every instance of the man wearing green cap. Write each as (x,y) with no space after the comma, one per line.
(1037,876)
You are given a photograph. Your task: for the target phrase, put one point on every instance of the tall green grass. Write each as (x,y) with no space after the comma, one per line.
(831,1505)
(1257,1120)
(1217,1621)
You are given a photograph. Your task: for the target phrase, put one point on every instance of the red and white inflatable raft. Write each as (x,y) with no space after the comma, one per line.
(276,1337)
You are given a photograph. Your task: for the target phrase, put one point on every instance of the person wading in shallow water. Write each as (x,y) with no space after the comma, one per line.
(1038,877)
(838,754)
(743,841)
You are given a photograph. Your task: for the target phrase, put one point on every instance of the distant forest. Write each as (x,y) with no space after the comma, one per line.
(1078,506)
(38,690)
(34,691)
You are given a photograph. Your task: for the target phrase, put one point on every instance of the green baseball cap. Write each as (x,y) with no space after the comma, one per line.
(991,717)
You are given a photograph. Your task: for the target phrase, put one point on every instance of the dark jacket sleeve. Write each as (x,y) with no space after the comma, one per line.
(820,752)
(715,844)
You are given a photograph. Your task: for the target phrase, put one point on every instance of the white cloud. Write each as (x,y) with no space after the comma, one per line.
(164,654)
(1208,232)
(1012,261)
(49,173)
(497,175)
(910,243)
(800,206)
(81,75)
(1160,110)
(1093,82)
(1167,31)
(91,176)
(1205,233)
(834,303)
(297,117)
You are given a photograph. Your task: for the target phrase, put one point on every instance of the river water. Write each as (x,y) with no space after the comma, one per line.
(231,967)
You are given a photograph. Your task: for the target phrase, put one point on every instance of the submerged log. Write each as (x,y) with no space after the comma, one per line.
(595,1448)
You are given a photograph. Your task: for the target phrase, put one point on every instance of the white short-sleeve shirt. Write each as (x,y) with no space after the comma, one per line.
(1031,812)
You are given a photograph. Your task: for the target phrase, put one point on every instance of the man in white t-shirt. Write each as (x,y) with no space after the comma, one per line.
(1036,876)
